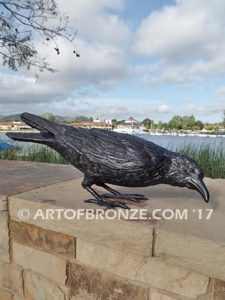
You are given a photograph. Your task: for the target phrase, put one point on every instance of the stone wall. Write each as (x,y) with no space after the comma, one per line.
(84,259)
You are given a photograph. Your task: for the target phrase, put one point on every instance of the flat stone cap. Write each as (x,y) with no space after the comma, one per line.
(194,242)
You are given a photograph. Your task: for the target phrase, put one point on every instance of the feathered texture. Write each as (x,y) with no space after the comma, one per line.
(109,157)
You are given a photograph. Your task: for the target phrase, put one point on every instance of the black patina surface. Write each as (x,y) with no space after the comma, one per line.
(115,158)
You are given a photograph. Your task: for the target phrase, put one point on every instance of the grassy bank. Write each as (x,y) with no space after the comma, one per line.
(33,153)
(212,161)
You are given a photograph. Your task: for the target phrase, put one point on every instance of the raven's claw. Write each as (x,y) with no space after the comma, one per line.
(130,197)
(108,204)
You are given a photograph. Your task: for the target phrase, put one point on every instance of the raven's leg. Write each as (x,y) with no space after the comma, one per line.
(116,194)
(98,199)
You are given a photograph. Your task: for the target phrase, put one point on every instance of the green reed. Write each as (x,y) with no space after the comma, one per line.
(212,160)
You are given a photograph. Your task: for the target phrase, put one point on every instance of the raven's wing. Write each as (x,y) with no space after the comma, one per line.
(116,150)
(125,146)
(113,150)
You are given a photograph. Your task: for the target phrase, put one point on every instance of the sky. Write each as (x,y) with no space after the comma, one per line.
(155,59)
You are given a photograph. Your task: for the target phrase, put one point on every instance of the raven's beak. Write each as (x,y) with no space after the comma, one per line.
(199,186)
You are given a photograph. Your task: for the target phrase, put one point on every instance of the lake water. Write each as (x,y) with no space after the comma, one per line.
(166,141)
(174,142)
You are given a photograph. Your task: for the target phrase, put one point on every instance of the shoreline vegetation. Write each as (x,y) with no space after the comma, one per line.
(135,131)
(212,160)
(177,125)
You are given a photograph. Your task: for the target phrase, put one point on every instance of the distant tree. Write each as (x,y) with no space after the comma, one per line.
(199,124)
(22,21)
(83,119)
(188,122)
(185,122)
(160,125)
(176,122)
(121,122)
(49,116)
(196,128)
(210,127)
(147,123)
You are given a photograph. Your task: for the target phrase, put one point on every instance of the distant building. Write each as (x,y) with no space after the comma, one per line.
(14,126)
(131,121)
(108,122)
(130,126)
(20,126)
(96,121)
(6,125)
(95,124)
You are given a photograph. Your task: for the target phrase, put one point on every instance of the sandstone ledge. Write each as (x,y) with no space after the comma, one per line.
(140,259)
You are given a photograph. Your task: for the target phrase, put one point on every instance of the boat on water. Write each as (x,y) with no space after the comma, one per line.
(5,146)
(129,130)
(137,131)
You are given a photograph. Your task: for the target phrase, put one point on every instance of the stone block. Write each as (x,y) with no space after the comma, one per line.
(112,260)
(144,269)
(43,239)
(47,264)
(147,270)
(156,295)
(4,237)
(173,279)
(3,203)
(133,235)
(219,290)
(5,295)
(11,278)
(90,284)
(38,287)
(198,242)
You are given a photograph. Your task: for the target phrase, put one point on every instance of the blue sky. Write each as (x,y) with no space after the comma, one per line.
(141,58)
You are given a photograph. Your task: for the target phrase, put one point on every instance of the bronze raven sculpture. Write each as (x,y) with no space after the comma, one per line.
(107,157)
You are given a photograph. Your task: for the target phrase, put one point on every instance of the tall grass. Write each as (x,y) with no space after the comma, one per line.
(212,160)
(33,153)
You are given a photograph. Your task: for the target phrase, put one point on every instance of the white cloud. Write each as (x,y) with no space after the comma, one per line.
(21,89)
(97,21)
(188,40)
(99,65)
(221,92)
(205,110)
(101,41)
(164,109)
(180,43)
(89,105)
(102,38)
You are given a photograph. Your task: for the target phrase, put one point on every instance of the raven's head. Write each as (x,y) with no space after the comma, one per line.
(186,172)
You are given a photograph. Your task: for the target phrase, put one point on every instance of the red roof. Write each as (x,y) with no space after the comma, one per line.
(6,123)
(89,124)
